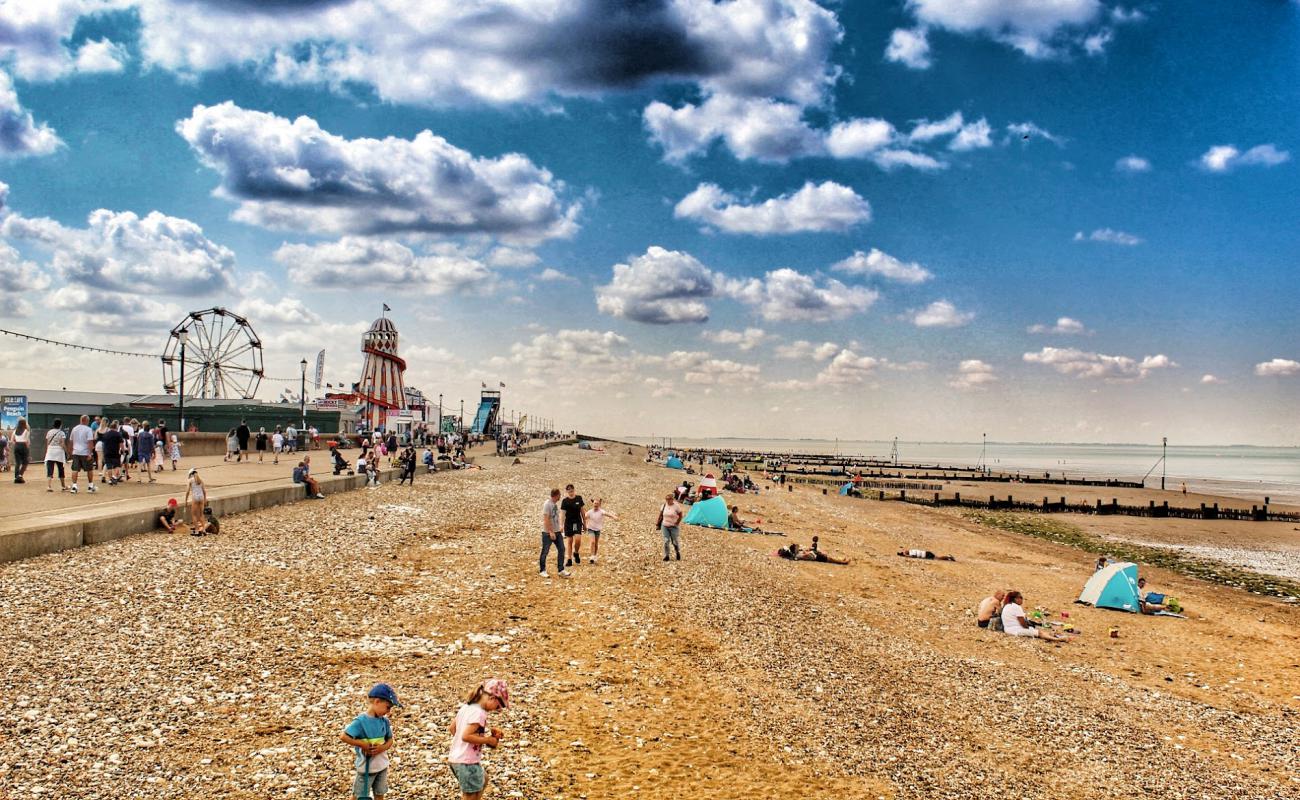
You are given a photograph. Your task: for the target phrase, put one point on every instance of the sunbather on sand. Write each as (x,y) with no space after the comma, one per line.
(1148,607)
(989,607)
(795,553)
(1014,622)
(924,554)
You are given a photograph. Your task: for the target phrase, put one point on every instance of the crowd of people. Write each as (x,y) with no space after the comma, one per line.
(110,450)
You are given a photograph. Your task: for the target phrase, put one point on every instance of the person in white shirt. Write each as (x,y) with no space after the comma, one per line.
(128,451)
(1014,622)
(55,456)
(277,445)
(596,517)
(83,439)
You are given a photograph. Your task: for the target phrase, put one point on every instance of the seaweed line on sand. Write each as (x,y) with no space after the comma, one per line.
(1205,569)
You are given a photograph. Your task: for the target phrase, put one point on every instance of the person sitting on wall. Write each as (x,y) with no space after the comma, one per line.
(302,475)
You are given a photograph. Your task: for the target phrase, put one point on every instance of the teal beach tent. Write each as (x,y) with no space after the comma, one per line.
(711,513)
(846,487)
(674,462)
(1114,586)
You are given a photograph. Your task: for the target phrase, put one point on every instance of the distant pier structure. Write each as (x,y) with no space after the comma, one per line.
(381,387)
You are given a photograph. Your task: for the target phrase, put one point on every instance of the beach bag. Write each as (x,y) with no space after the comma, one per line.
(995,623)
(659,523)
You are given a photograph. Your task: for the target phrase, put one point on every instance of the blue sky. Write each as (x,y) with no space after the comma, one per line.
(1073,221)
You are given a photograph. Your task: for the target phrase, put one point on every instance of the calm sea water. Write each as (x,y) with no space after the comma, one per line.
(1248,472)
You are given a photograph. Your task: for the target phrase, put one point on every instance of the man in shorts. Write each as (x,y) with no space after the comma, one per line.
(83,443)
(113,445)
(144,447)
(571,507)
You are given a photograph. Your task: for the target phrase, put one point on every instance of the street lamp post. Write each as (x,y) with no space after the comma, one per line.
(302,397)
(439,413)
(460,423)
(185,338)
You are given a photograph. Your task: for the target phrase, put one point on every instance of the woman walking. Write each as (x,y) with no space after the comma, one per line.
(670,517)
(22,443)
(55,456)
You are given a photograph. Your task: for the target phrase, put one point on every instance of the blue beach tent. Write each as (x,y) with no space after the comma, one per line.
(711,513)
(846,487)
(674,462)
(1114,586)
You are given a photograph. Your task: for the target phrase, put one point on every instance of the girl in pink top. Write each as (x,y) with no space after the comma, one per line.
(470,732)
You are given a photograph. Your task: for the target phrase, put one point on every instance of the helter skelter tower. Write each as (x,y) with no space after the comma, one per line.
(381,386)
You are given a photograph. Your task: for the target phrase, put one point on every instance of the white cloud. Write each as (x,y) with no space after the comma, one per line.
(282,311)
(118,250)
(801,350)
(20,134)
(145,312)
(909,47)
(972,374)
(101,56)
(1070,361)
(1277,367)
(1108,236)
(762,129)
(784,295)
(33,34)
(568,350)
(880,263)
(1133,164)
(1029,130)
(354,262)
(1226,157)
(744,341)
(505,51)
(858,138)
(294,175)
(847,367)
(1036,28)
(1064,326)
(972,136)
(1211,379)
(702,369)
(941,314)
(552,275)
(18,278)
(660,287)
(925,130)
(828,206)
(512,257)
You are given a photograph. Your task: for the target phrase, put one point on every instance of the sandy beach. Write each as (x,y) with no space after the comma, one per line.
(224,667)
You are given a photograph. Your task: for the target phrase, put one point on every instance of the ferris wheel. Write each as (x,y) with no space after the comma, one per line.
(222,356)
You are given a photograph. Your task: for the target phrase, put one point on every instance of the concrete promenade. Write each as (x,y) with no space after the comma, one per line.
(34,522)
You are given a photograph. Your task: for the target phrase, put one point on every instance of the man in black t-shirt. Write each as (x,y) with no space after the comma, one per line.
(113,443)
(242,435)
(574,523)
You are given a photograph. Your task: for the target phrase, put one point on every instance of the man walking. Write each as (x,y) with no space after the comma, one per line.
(145,441)
(83,442)
(291,434)
(243,434)
(574,523)
(552,535)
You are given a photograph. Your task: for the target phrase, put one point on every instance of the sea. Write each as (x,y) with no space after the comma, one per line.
(1241,471)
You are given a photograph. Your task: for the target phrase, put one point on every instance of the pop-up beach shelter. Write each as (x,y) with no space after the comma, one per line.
(846,487)
(1113,586)
(674,462)
(711,513)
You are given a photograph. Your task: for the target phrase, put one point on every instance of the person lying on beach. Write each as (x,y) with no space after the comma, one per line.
(924,554)
(1149,607)
(1014,622)
(989,608)
(793,552)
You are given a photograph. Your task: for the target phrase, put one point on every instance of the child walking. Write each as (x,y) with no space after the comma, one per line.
(470,732)
(196,495)
(371,735)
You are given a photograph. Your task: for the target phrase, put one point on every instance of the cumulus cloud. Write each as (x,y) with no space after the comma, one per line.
(828,206)
(941,314)
(572,350)
(101,56)
(801,350)
(660,287)
(1211,379)
(1036,28)
(294,175)
(1108,236)
(1133,164)
(34,35)
(17,278)
(762,129)
(847,367)
(1070,361)
(1027,131)
(784,295)
(972,136)
(118,250)
(910,47)
(744,341)
(1277,367)
(701,368)
(877,262)
(20,134)
(552,275)
(353,262)
(1064,326)
(1226,157)
(972,374)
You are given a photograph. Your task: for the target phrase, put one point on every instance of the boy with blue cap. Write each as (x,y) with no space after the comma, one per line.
(371,735)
